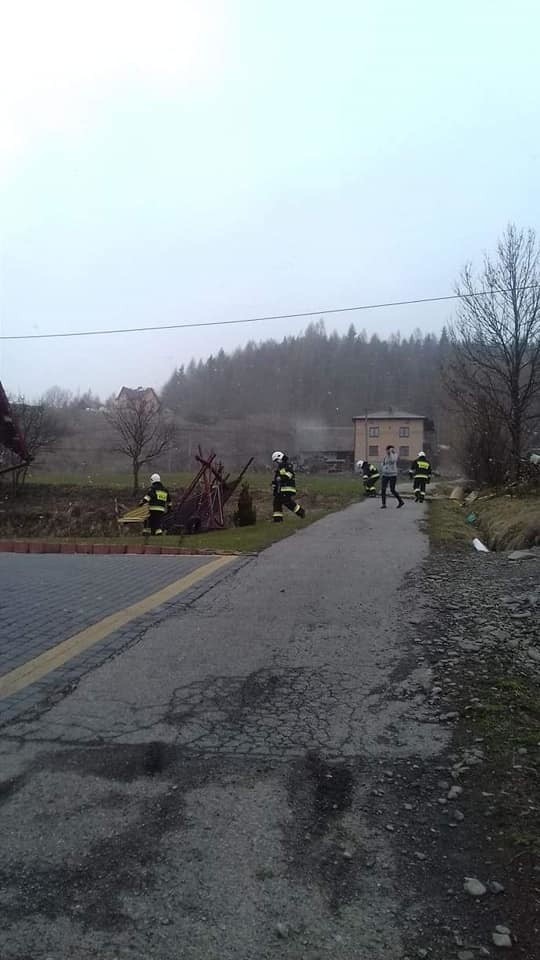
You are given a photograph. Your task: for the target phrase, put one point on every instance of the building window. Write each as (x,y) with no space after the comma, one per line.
(374,451)
(374,431)
(404,431)
(404,451)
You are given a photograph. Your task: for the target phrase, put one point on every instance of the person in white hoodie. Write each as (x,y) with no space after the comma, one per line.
(389,476)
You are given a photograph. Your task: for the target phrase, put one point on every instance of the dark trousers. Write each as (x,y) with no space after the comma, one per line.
(389,482)
(419,487)
(285,500)
(370,488)
(155,521)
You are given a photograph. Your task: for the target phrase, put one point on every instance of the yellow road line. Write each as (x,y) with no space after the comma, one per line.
(40,666)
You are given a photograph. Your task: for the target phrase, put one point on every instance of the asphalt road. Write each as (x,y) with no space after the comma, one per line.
(204,794)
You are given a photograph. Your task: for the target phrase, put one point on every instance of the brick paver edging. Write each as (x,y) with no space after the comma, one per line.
(102,549)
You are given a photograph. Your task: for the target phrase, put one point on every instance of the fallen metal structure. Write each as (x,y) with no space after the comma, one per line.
(200,508)
(11,436)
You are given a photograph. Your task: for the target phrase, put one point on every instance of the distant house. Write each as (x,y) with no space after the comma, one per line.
(328,448)
(375,431)
(147,395)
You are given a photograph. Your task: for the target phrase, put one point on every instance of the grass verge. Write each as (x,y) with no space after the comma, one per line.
(232,539)
(510,523)
(503,523)
(507,720)
(446,525)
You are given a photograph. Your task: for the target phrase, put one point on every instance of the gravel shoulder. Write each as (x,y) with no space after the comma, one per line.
(469,847)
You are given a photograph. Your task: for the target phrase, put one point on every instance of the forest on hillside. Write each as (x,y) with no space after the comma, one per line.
(316,375)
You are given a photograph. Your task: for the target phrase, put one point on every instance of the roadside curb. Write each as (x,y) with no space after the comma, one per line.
(107,549)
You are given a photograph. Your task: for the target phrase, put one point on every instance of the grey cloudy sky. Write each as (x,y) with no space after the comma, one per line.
(192,160)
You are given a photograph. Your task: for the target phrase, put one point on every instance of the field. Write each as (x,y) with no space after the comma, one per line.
(71,507)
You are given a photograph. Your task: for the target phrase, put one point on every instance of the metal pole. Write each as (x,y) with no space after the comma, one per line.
(366,435)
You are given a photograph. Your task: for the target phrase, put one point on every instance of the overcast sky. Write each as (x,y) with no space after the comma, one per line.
(194,160)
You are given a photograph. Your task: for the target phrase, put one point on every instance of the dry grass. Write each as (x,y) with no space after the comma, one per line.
(446,525)
(510,523)
(504,523)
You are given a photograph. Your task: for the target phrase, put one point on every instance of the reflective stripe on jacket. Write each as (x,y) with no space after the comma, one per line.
(371,472)
(421,469)
(284,480)
(157,498)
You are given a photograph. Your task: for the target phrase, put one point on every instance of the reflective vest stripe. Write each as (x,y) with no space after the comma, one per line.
(287,484)
(157,501)
(423,469)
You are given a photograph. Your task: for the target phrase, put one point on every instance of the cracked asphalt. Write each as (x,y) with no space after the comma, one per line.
(204,792)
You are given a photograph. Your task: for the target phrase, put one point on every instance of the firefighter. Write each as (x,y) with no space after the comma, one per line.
(370,476)
(421,475)
(158,499)
(284,487)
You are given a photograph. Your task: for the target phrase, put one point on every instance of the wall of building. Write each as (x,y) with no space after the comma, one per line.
(407,436)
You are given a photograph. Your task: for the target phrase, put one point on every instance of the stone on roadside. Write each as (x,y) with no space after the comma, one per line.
(501,939)
(282,930)
(474,887)
(465,955)
(495,887)
(522,555)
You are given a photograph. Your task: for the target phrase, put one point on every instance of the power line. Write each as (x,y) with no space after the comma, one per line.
(277,316)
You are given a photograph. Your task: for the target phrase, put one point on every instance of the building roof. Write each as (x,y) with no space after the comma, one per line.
(390,414)
(131,392)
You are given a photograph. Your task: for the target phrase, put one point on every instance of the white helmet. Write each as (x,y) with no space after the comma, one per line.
(278,456)
(421,453)
(155,478)
(359,464)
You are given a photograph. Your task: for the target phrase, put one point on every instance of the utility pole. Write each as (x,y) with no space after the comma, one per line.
(366,435)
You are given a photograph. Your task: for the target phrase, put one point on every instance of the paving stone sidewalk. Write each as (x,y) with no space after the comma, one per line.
(46,599)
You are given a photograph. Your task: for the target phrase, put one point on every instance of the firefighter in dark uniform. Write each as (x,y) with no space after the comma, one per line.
(421,475)
(284,487)
(370,476)
(158,499)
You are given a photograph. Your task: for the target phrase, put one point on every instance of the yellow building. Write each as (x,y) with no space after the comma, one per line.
(375,431)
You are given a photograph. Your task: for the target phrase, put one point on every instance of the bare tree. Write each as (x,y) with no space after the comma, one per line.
(41,427)
(495,360)
(143,431)
(57,397)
